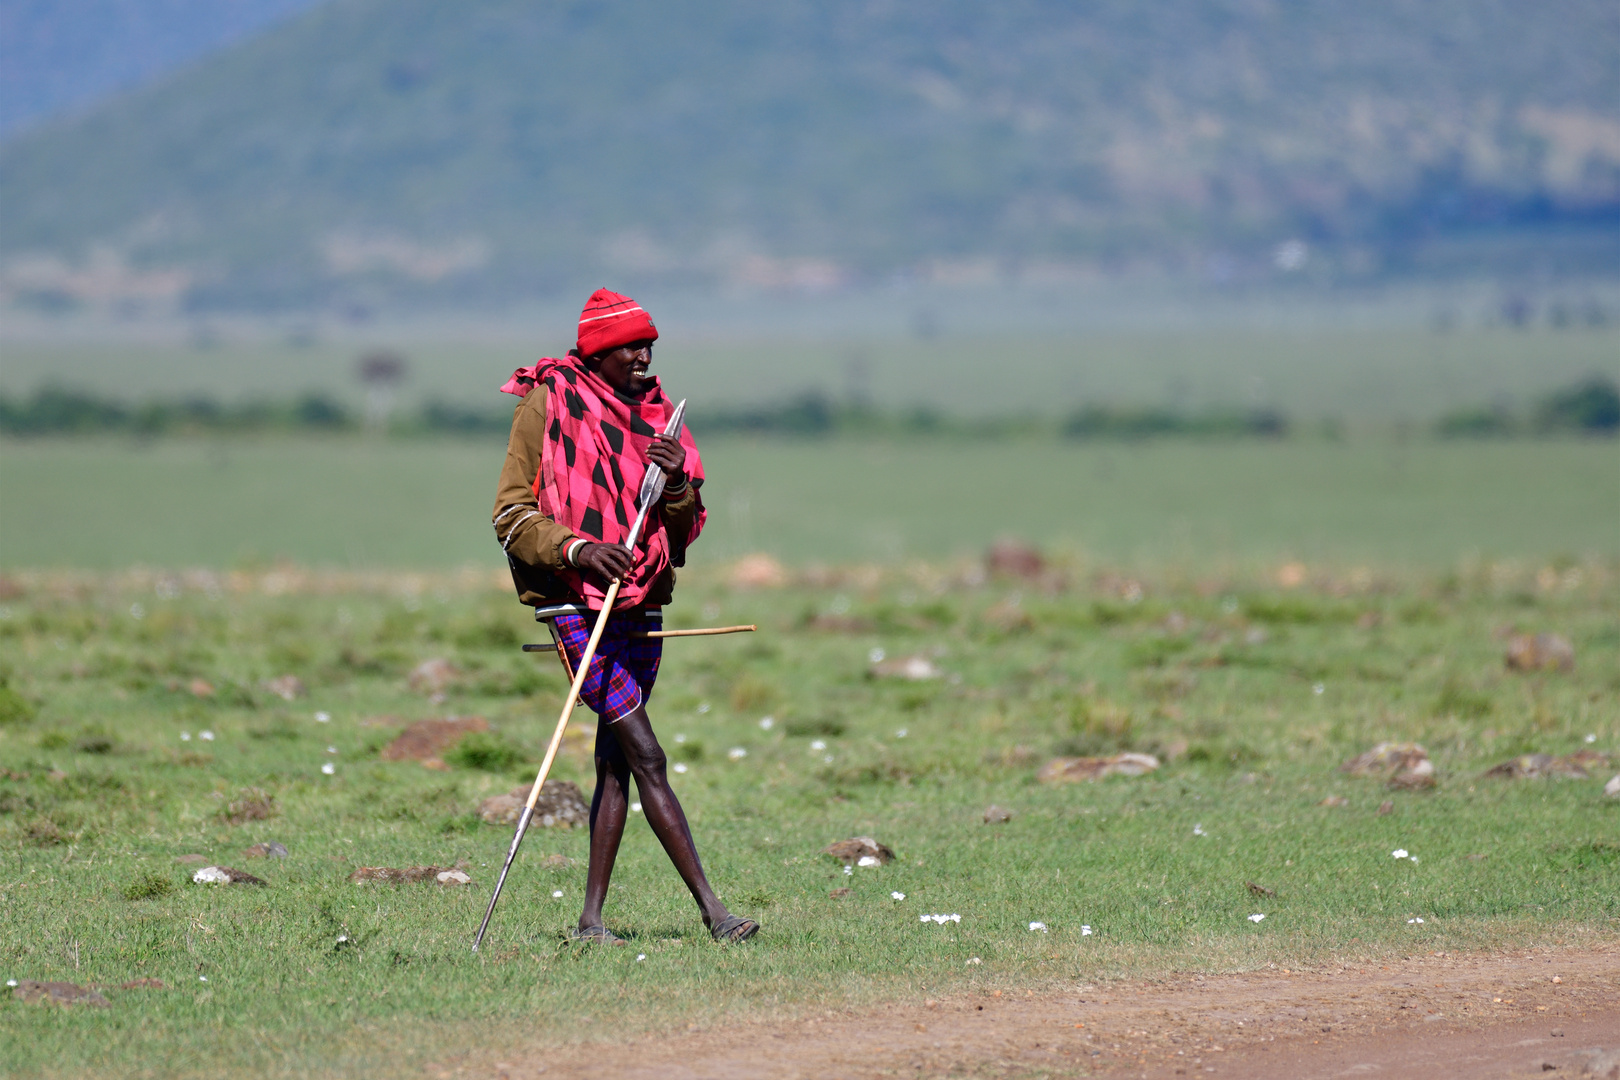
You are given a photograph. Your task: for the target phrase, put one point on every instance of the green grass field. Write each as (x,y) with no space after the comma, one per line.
(402,504)
(1266,691)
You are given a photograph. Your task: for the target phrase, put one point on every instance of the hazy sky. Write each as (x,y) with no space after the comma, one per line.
(60,55)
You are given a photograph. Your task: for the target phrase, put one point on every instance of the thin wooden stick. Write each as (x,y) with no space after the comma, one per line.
(551,751)
(704,631)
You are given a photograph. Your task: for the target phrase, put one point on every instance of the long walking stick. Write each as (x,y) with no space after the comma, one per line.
(652,487)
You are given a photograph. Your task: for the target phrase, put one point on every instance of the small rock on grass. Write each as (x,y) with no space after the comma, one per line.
(225,875)
(857,848)
(57,993)
(270,849)
(914,668)
(1612,788)
(995,815)
(1075,769)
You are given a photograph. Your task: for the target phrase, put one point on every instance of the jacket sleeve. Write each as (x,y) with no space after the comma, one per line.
(525,533)
(680,513)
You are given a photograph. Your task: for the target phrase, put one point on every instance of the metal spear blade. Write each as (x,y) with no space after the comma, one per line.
(652,484)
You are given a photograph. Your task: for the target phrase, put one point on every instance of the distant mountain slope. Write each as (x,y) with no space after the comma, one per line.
(58,55)
(496,147)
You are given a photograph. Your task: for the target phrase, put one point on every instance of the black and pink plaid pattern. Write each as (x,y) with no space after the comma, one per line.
(624,668)
(591,464)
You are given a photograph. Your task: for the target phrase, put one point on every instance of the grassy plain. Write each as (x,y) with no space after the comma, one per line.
(1269,688)
(363,505)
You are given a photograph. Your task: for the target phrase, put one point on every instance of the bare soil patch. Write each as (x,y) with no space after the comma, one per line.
(1534,1013)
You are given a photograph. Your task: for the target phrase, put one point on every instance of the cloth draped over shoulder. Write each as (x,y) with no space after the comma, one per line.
(592,461)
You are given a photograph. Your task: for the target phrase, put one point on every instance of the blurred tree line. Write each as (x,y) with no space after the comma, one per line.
(1590,407)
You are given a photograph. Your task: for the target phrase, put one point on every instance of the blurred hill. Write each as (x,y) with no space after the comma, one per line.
(410,152)
(60,55)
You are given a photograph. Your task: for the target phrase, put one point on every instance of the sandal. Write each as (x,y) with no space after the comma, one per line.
(596,935)
(734,928)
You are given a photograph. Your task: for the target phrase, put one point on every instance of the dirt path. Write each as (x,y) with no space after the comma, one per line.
(1517,1014)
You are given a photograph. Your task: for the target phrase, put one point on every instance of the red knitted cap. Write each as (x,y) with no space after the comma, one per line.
(610,320)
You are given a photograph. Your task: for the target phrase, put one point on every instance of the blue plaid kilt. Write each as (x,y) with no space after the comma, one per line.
(624,668)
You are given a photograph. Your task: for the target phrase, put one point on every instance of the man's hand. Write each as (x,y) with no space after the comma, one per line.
(607,560)
(668,454)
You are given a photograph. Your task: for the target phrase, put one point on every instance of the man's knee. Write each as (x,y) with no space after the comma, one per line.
(647,760)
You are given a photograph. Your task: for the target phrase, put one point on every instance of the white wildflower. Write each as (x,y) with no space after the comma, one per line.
(185,736)
(848,870)
(11,982)
(1256,917)
(680,766)
(898,895)
(876,656)
(1085,931)
(900,734)
(202,978)
(1399,853)
(329,768)
(827,760)
(206,736)
(972,960)
(635,808)
(736,753)
(331,749)
(640,956)
(556,894)
(681,737)
(1318,689)
(819,744)
(1038,926)
(703,707)
(1198,830)
(1591,738)
(767,722)
(1417,921)
(323,718)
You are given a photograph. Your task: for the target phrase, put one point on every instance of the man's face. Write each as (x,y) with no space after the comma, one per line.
(625,368)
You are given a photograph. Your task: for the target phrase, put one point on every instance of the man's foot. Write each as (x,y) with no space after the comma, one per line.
(734,928)
(595,935)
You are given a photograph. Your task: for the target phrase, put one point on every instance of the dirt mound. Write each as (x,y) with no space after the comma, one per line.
(57,993)
(857,848)
(1404,765)
(427,740)
(1539,652)
(1574,766)
(560,803)
(410,875)
(1075,769)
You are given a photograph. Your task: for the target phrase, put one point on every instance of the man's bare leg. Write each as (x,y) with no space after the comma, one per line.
(610,807)
(628,747)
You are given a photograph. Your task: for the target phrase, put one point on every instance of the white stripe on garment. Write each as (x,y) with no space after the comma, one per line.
(511,534)
(509,509)
(612,314)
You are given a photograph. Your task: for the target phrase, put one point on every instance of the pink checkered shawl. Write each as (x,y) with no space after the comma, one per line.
(592,461)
